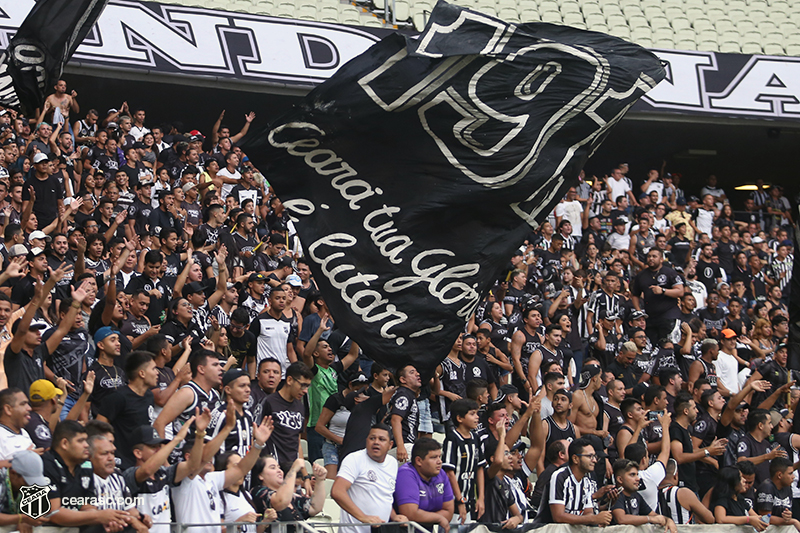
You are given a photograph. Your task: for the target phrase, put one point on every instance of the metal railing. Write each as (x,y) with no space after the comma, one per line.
(281,527)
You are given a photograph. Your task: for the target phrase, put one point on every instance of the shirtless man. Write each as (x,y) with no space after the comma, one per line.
(584,406)
(66,103)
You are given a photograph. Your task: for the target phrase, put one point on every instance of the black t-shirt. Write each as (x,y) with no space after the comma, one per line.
(627,374)
(362,417)
(404,405)
(23,290)
(139,212)
(48,193)
(243,348)
(712,318)
(497,500)
(133,327)
(773,500)
(127,411)
(725,252)
(22,369)
(155,312)
(657,305)
(479,369)
(68,359)
(738,507)
(680,250)
(707,274)
(289,419)
(66,485)
(107,379)
(39,431)
(687,472)
(750,447)
(174,265)
(632,505)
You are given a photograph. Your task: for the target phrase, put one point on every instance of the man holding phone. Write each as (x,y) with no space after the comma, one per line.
(704,432)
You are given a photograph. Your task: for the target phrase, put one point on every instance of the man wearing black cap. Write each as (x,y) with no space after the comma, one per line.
(22,291)
(150,480)
(236,390)
(131,406)
(585,408)
(777,373)
(605,340)
(285,269)
(254,300)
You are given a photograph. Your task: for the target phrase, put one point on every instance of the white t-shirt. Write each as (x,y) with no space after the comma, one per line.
(227,187)
(572,212)
(138,132)
(652,477)
(197,501)
(619,242)
(728,371)
(547,408)
(371,489)
(658,187)
(236,506)
(11,443)
(618,188)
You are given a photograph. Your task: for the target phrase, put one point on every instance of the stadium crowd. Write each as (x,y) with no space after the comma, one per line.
(167,355)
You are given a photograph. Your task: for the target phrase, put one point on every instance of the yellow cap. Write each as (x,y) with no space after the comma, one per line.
(43,390)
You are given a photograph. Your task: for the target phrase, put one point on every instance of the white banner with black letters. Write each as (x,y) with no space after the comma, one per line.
(193,41)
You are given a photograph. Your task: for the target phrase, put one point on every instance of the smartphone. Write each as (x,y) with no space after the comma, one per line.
(653,415)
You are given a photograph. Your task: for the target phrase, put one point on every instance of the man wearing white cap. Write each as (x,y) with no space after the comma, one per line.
(48,198)
(26,469)
(22,292)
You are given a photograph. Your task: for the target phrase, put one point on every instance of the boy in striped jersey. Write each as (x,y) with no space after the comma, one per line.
(463,460)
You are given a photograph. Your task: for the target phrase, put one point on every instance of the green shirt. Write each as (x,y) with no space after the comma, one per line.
(322,387)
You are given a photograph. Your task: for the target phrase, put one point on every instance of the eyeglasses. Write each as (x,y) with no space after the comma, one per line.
(589,455)
(304,385)
(235,327)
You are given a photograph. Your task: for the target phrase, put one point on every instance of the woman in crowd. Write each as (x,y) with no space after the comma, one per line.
(272,490)
(728,503)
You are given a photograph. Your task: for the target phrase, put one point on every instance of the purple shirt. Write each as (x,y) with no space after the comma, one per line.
(429,495)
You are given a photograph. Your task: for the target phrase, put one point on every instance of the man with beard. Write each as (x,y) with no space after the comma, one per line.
(523,344)
(708,272)
(655,290)
(55,257)
(244,242)
(476,365)
(777,373)
(712,315)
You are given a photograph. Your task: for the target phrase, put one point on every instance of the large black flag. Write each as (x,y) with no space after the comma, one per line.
(43,44)
(418,168)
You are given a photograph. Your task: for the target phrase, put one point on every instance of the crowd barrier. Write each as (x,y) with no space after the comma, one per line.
(312,526)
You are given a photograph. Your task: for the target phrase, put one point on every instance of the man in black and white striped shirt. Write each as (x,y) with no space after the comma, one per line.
(567,498)
(780,268)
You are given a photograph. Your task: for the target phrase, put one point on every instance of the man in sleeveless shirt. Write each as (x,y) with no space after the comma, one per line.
(199,392)
(557,426)
(704,367)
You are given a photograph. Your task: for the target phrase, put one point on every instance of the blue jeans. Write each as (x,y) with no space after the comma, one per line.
(315,441)
(68,404)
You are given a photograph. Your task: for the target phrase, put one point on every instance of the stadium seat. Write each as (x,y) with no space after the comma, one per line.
(553,17)
(638,21)
(320,462)
(529,15)
(774,49)
(680,23)
(307,13)
(751,47)
(571,19)
(402,11)
(331,508)
(439,437)
(730,47)
(793,49)
(309,468)
(660,22)
(304,447)
(623,32)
